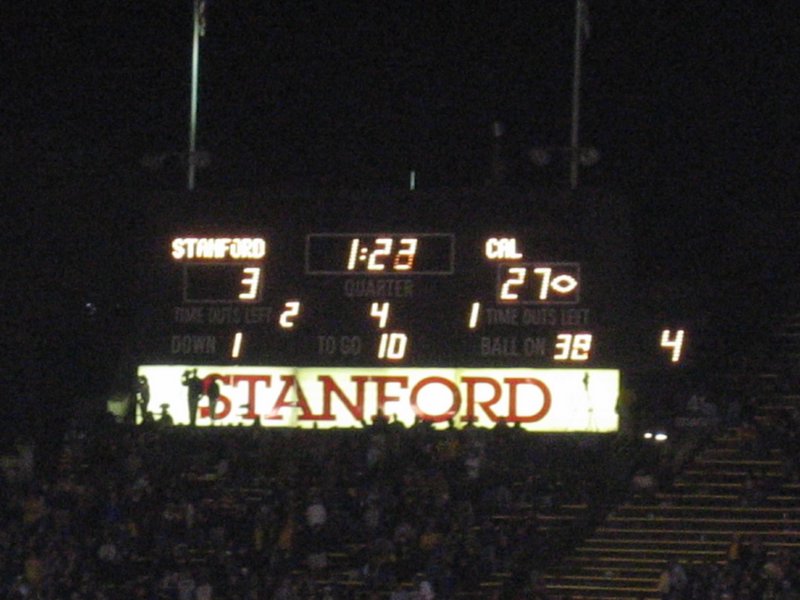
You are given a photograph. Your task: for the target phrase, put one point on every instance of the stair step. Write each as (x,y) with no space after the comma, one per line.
(644,544)
(725,521)
(616,561)
(754,462)
(730,473)
(683,532)
(639,551)
(618,570)
(600,595)
(567,587)
(730,501)
(599,580)
(651,508)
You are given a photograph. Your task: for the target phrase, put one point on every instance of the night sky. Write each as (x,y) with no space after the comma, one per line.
(692,106)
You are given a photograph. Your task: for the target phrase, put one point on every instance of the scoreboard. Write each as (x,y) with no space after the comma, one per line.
(378,298)
(449,319)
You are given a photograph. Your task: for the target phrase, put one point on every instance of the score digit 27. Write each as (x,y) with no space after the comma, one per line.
(539,283)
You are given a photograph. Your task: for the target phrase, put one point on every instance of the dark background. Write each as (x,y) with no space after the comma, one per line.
(691,105)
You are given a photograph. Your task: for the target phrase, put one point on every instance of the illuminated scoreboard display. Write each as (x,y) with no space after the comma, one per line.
(378,298)
(301,326)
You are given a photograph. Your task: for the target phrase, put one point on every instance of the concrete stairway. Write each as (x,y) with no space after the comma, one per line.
(733,486)
(724,491)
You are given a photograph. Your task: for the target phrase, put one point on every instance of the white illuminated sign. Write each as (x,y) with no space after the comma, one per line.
(533,399)
(190,248)
(501,248)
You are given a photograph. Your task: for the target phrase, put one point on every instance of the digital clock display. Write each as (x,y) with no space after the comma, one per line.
(380,254)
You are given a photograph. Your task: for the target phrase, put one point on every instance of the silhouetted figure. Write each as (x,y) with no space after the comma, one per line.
(165,419)
(213,395)
(194,389)
(142,395)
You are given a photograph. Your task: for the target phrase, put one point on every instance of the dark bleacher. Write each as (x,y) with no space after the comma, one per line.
(178,507)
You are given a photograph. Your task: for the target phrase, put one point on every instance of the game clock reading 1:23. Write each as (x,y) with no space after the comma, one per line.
(403,299)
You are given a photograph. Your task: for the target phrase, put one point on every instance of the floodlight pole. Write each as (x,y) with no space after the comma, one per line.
(576,97)
(193,104)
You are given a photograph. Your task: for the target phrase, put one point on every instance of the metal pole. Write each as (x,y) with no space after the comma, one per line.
(193,103)
(576,95)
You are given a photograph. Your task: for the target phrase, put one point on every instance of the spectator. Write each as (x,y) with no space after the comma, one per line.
(316,514)
(643,486)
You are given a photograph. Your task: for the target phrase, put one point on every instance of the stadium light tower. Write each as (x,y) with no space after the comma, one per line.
(198,30)
(581,34)
(191,158)
(577,155)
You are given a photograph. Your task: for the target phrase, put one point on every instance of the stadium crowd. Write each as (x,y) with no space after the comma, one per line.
(176,512)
